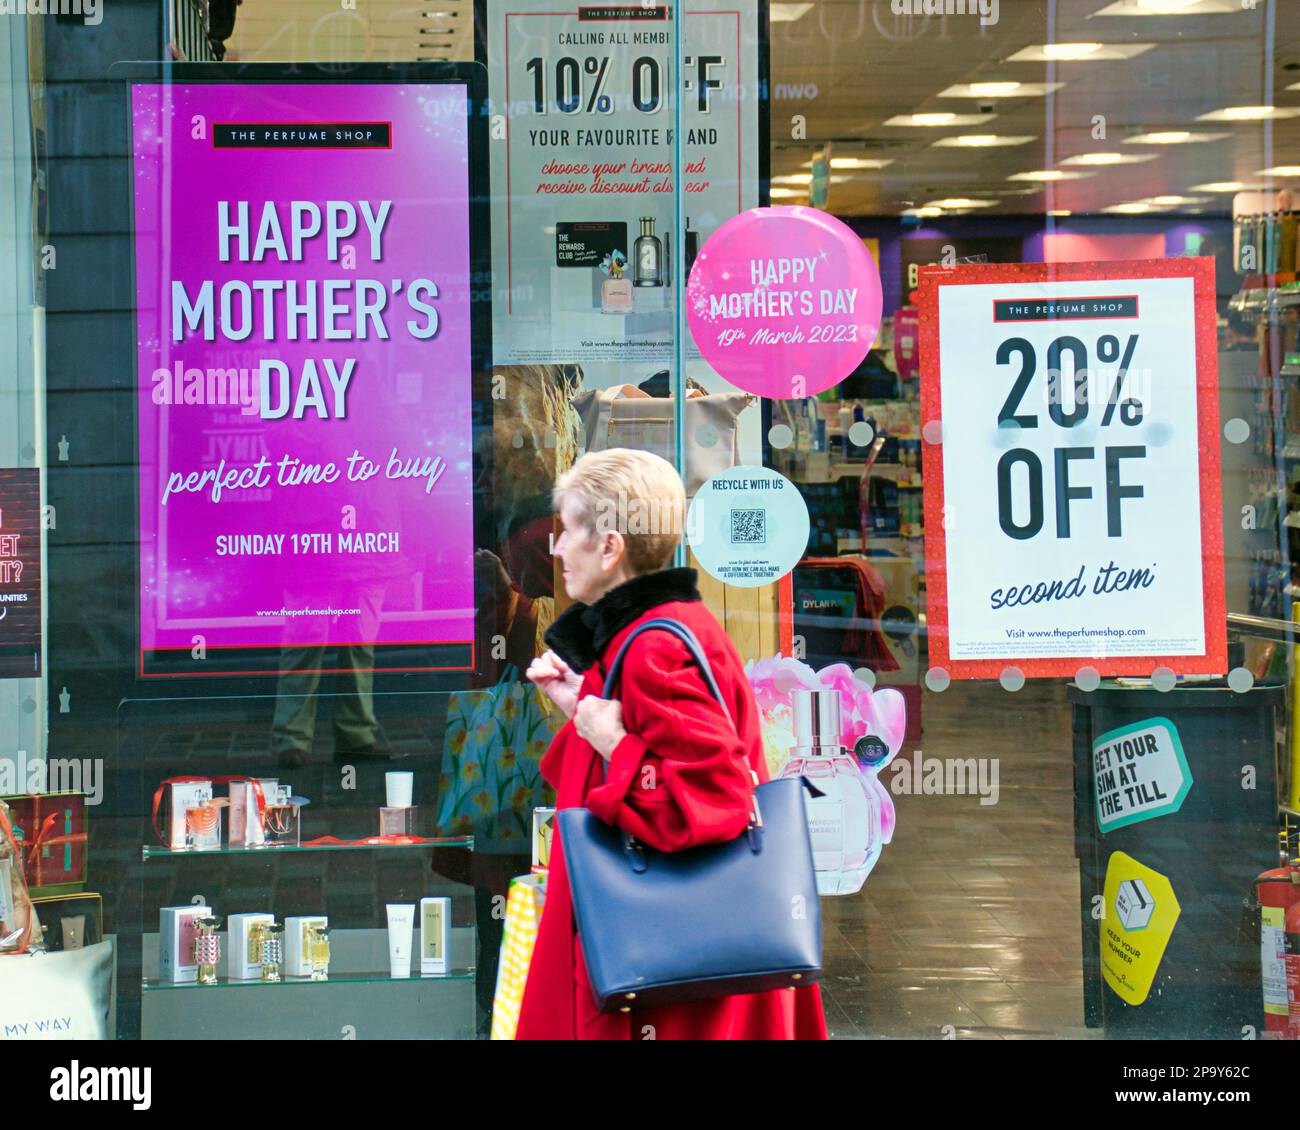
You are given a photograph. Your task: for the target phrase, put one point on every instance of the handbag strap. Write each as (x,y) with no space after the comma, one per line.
(631,847)
(683,633)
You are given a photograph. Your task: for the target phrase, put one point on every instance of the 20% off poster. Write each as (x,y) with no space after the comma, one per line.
(1073,500)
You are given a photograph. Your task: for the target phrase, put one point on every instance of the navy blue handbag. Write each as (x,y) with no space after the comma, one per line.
(664,927)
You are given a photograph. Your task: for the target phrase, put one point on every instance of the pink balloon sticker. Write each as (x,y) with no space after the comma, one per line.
(784,302)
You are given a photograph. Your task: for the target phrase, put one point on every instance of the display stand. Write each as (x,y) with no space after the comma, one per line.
(359,999)
(1209,844)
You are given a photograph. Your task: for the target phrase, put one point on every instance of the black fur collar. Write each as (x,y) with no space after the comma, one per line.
(581,633)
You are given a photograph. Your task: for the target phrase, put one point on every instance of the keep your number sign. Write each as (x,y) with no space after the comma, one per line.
(1073,513)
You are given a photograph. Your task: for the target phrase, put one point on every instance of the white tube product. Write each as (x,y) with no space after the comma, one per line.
(401,931)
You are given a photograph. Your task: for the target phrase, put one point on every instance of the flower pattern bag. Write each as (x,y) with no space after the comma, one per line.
(491,776)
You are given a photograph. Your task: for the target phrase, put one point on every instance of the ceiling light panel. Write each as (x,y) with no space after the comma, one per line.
(1170,8)
(992,90)
(1079,52)
(1048,176)
(1104,159)
(982,141)
(1174,137)
(1250,114)
(938,120)
(788,13)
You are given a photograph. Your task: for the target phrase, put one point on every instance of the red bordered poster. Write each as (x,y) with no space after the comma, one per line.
(1073,511)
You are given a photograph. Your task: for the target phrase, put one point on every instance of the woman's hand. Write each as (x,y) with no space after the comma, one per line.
(599,722)
(557,680)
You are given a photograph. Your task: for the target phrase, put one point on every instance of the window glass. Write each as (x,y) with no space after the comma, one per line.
(969,328)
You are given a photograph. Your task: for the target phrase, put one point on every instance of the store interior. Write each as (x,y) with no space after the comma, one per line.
(1070,131)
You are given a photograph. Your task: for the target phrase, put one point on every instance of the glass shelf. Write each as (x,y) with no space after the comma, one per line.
(150,851)
(151,985)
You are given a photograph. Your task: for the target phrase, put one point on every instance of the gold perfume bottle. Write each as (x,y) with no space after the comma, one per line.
(317,945)
(207,949)
(266,948)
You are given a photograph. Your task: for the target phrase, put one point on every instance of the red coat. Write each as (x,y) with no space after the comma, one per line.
(701,769)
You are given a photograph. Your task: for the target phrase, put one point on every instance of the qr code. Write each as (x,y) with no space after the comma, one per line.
(749,527)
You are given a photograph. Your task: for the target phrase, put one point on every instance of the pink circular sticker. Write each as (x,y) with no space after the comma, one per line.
(784,302)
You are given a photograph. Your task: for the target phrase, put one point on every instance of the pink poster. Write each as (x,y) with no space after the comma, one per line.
(784,301)
(304,371)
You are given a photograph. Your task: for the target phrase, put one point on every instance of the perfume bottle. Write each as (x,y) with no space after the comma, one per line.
(203,826)
(318,951)
(207,948)
(282,822)
(649,255)
(845,821)
(616,291)
(266,948)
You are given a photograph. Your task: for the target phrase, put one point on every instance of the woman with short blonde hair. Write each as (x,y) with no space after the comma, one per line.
(635,492)
(666,762)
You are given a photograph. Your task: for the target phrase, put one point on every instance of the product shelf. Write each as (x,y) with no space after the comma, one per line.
(149,851)
(152,985)
(900,472)
(1263,300)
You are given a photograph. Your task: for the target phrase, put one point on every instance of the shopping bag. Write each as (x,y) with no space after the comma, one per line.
(524,905)
(491,776)
(626,416)
(58,996)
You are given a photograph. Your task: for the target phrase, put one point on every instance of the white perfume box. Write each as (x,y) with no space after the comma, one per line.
(245,823)
(180,796)
(176,935)
(238,965)
(297,957)
(435,935)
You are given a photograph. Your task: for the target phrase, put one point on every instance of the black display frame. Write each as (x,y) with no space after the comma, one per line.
(432,668)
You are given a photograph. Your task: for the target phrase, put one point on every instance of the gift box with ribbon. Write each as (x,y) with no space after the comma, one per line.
(50,830)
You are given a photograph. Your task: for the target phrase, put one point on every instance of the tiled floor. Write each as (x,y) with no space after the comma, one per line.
(968,928)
